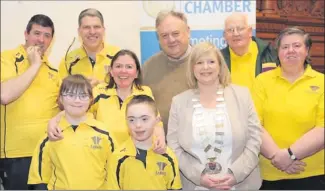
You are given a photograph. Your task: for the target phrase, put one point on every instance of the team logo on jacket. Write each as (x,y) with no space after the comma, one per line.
(161,167)
(314,88)
(51,76)
(96,140)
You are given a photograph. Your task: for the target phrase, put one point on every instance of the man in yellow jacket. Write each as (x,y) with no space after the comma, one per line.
(93,58)
(29,89)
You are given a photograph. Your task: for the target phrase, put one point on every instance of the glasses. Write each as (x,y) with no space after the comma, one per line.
(72,96)
(237,28)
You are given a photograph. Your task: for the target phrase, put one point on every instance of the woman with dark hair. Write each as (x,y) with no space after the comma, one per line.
(290,104)
(110,99)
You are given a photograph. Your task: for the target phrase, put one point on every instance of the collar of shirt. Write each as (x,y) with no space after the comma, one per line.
(64,124)
(251,49)
(83,53)
(113,91)
(188,51)
(128,148)
(309,72)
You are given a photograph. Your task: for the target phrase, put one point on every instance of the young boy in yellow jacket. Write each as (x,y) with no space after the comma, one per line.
(136,165)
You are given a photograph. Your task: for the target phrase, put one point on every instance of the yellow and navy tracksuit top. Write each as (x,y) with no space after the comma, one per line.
(24,120)
(78,62)
(77,162)
(138,169)
(110,109)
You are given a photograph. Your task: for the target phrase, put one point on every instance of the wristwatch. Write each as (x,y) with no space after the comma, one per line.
(292,156)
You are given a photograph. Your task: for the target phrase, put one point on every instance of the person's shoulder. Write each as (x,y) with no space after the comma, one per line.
(225,50)
(260,41)
(185,93)
(112,49)
(74,55)
(184,96)
(146,90)
(318,74)
(96,124)
(170,152)
(10,53)
(74,52)
(7,53)
(101,87)
(319,77)
(238,88)
(268,74)
(170,157)
(101,91)
(155,59)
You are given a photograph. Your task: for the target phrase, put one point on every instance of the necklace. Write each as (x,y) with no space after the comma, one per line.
(211,139)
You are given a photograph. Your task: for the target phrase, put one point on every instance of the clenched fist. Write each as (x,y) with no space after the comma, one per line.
(34,54)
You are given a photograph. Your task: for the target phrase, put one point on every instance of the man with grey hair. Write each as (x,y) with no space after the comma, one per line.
(165,72)
(246,55)
(93,58)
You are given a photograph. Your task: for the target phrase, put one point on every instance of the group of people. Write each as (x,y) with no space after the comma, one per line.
(248,116)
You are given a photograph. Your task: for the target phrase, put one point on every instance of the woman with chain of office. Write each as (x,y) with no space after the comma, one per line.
(213,128)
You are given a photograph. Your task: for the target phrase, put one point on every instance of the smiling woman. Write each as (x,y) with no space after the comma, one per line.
(213,127)
(290,103)
(123,82)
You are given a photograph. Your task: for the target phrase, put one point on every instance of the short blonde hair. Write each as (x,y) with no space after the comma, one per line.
(197,52)
(163,14)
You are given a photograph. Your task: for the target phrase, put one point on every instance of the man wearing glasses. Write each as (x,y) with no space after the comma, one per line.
(245,55)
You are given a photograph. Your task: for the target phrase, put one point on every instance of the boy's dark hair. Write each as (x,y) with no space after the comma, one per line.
(42,20)
(138,80)
(75,83)
(143,99)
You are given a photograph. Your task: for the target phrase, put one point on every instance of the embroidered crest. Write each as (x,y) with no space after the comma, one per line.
(314,88)
(51,76)
(161,166)
(96,140)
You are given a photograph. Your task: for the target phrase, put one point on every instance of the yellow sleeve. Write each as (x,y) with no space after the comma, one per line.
(63,72)
(40,169)
(8,69)
(111,178)
(320,112)
(174,181)
(259,97)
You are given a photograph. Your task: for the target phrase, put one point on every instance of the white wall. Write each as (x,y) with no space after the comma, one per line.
(122,23)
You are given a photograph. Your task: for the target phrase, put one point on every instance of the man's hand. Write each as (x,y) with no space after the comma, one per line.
(282,160)
(34,55)
(53,130)
(93,81)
